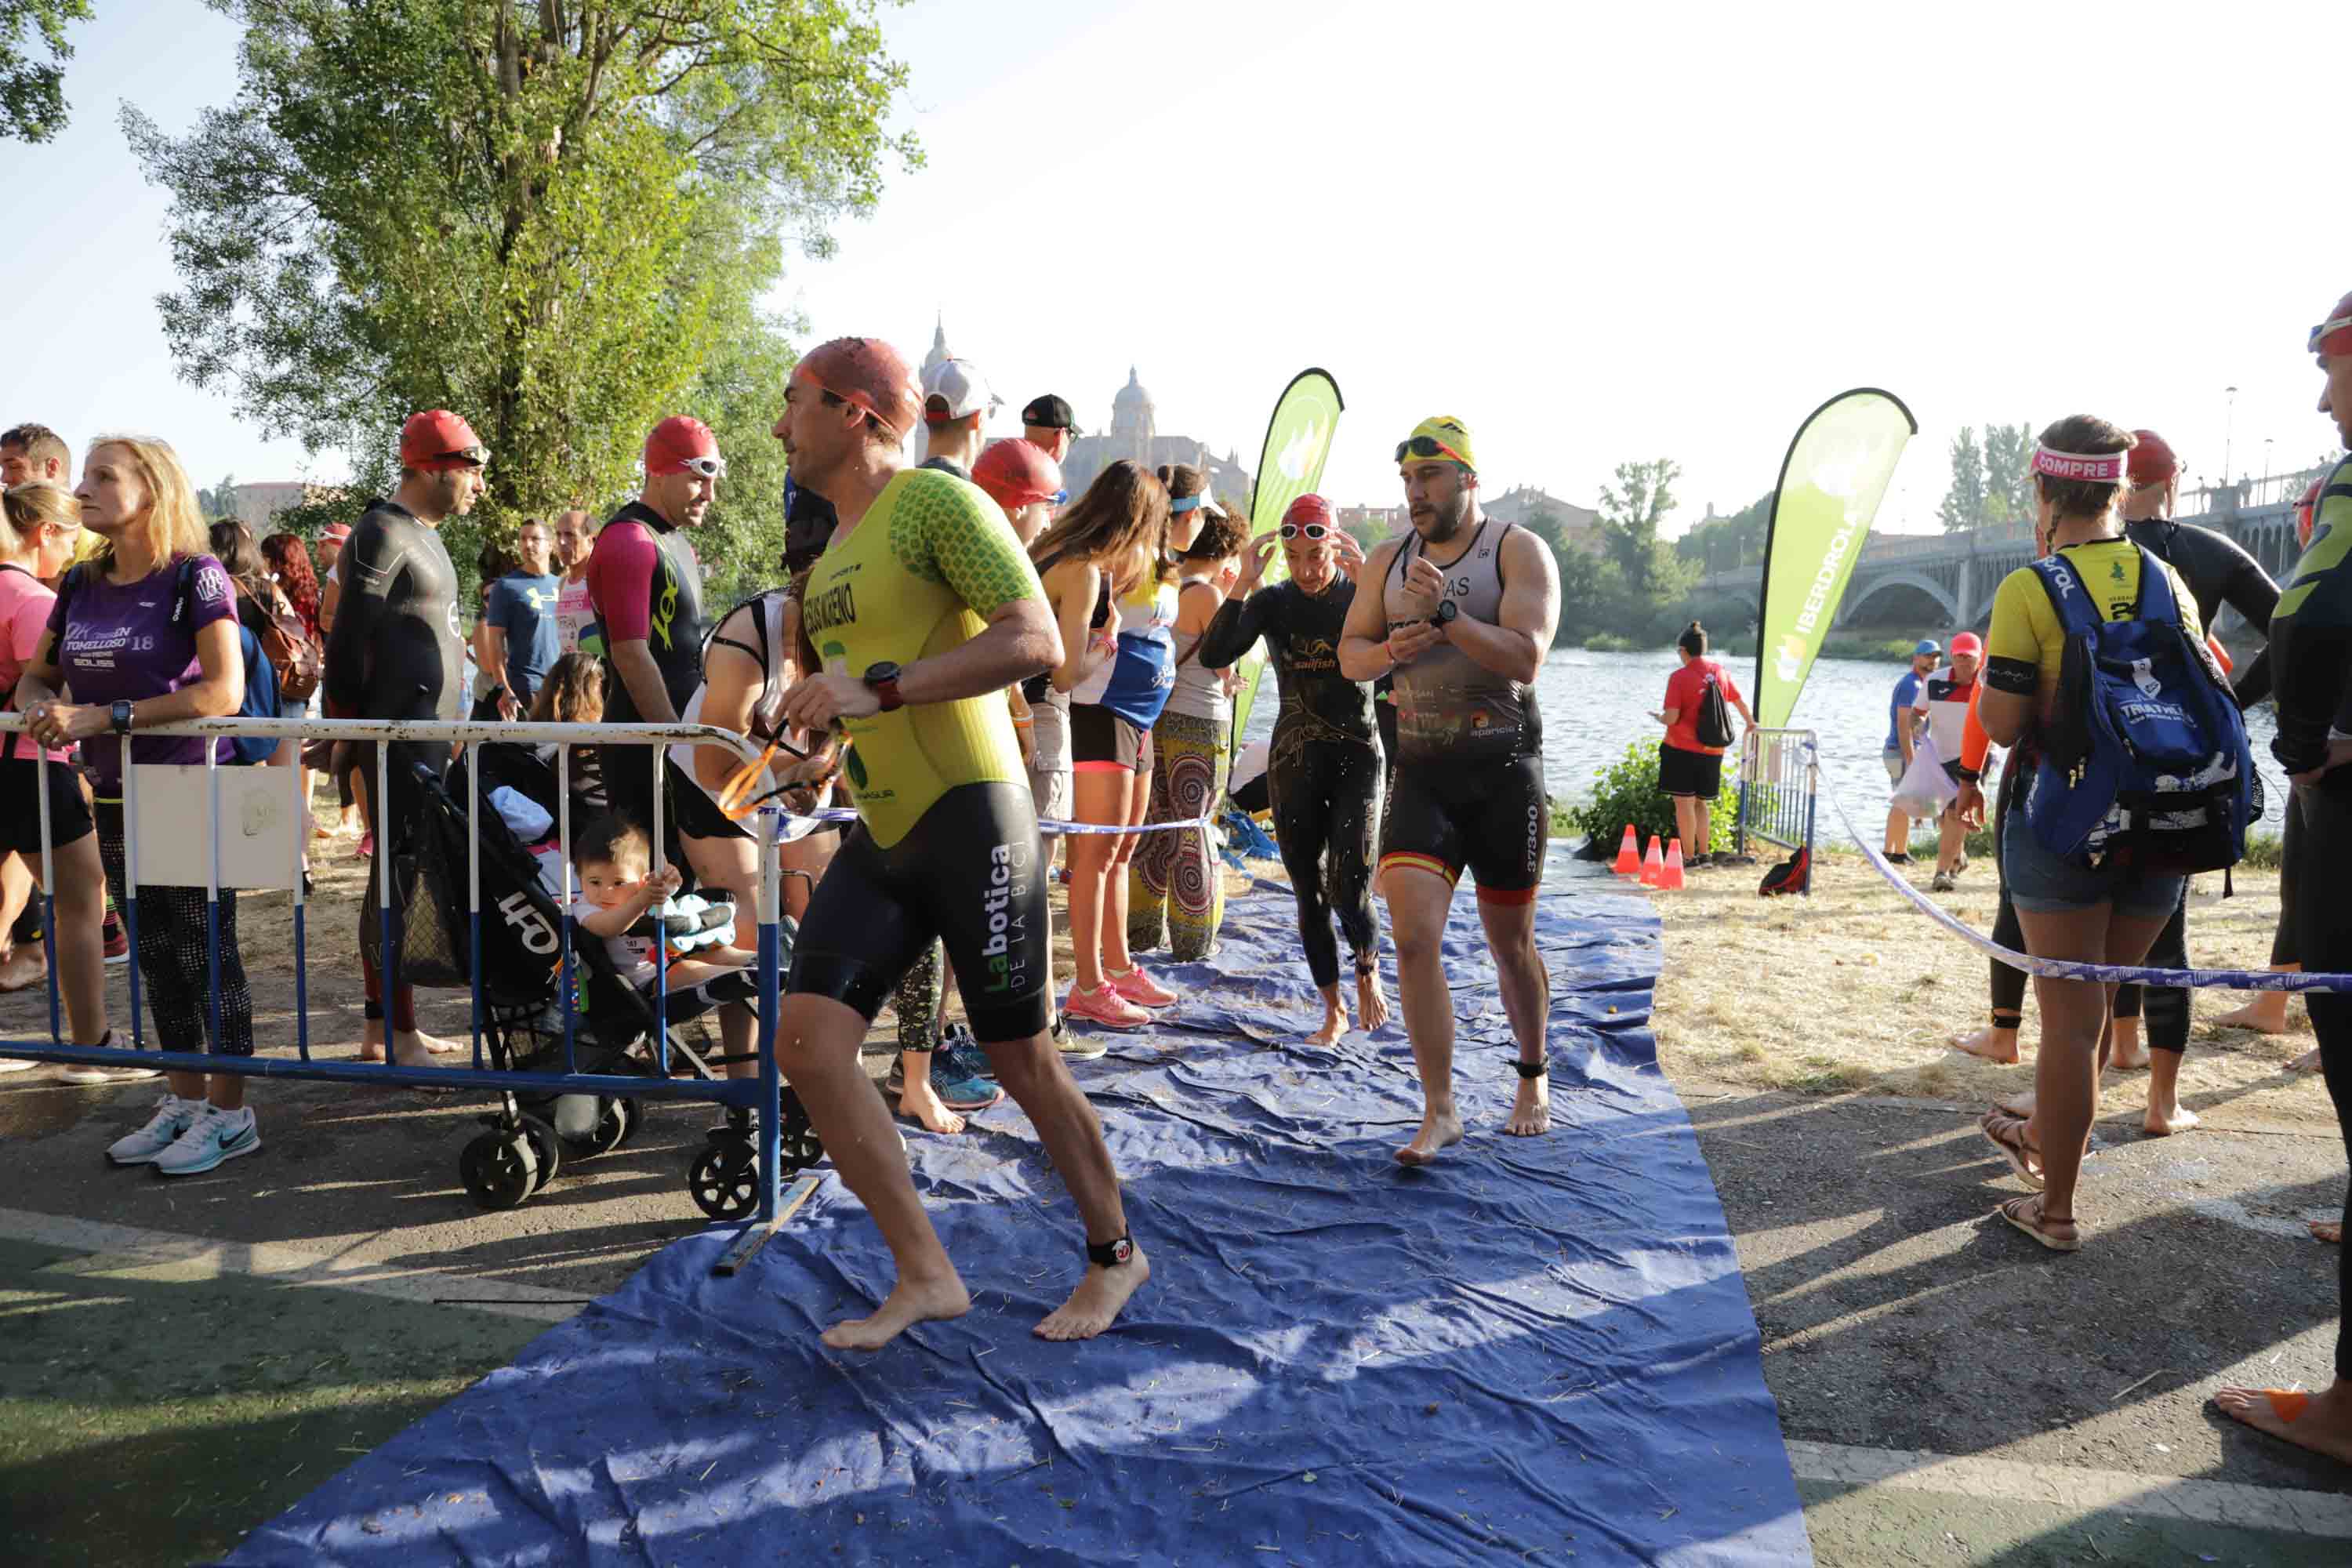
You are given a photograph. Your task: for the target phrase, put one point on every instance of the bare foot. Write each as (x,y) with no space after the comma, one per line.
(2160,1123)
(911,1302)
(418,1051)
(1992,1043)
(2019,1105)
(1439,1131)
(1096,1304)
(2307,1062)
(2319,1422)
(1372,1001)
(922,1103)
(26,968)
(2129,1056)
(1532,1111)
(1335,1024)
(2330,1231)
(2264,1014)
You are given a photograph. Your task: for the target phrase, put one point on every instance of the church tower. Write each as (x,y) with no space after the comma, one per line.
(1133,421)
(939,352)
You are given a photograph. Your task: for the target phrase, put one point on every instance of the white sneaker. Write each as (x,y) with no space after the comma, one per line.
(16,1064)
(88,1072)
(214,1135)
(173,1117)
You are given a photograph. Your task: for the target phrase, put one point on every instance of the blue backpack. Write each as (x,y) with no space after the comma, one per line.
(2145,761)
(260,701)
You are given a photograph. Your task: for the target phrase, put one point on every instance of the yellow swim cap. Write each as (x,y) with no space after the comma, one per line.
(1439,436)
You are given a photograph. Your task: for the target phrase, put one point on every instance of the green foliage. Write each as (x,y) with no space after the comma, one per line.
(1631,511)
(1992,484)
(553,220)
(1627,791)
(1728,543)
(32,91)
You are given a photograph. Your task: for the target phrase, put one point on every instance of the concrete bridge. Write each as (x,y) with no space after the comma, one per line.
(1956,573)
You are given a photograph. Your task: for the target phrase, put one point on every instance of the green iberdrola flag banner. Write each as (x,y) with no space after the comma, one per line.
(1297,440)
(1831,485)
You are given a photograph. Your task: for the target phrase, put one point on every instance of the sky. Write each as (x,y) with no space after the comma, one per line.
(1650,232)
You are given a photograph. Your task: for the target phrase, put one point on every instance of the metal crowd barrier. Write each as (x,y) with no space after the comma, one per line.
(1780,786)
(274,830)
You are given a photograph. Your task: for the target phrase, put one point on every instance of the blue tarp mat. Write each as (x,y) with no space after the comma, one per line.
(1540,1351)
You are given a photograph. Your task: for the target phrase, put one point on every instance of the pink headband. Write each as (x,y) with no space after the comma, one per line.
(2099,468)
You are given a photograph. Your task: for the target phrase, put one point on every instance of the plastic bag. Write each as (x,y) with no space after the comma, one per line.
(1925,787)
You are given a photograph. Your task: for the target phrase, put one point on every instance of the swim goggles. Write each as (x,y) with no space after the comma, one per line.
(1311,530)
(1428,446)
(710,467)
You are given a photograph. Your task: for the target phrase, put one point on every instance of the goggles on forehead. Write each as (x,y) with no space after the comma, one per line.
(2327,330)
(711,468)
(1428,446)
(476,456)
(1310,530)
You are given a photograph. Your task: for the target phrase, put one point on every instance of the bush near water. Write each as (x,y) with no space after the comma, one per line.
(1627,791)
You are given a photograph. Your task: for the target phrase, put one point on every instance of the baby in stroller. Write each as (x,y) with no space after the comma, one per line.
(634,910)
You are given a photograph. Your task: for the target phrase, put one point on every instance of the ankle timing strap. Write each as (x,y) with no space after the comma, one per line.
(1534,1069)
(1111,1254)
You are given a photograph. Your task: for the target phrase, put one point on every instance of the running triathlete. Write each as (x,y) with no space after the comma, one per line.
(395,653)
(1324,772)
(1463,613)
(645,587)
(922,610)
(2311,671)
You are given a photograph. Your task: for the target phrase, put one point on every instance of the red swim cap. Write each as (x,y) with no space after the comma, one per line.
(438,439)
(1311,508)
(2334,335)
(2307,512)
(2152,461)
(1016,473)
(674,441)
(867,374)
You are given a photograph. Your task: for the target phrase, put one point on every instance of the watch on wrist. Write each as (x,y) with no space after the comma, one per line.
(884,680)
(120,714)
(1446,612)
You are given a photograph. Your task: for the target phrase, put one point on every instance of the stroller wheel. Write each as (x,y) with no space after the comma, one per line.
(615,1120)
(633,1119)
(799,1141)
(499,1169)
(546,1150)
(724,1180)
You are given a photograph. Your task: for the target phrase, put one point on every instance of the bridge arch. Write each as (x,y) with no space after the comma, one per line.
(1880,583)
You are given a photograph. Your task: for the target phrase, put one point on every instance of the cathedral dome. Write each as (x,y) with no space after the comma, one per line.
(1131,411)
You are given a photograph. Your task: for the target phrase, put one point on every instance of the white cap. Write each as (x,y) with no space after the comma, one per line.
(953,389)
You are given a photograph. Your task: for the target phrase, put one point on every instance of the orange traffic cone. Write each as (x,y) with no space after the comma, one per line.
(1629,855)
(1673,877)
(1653,865)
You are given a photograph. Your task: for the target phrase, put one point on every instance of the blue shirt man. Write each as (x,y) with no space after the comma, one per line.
(525,638)
(1900,727)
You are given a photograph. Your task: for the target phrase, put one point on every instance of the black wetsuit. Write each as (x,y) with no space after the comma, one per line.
(2311,669)
(395,653)
(1324,770)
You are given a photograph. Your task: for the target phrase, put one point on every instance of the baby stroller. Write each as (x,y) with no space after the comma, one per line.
(528,1137)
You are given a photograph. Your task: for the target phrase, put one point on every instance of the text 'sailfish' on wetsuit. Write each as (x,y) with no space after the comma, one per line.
(1324,772)
(946,847)
(2218,571)
(1469,778)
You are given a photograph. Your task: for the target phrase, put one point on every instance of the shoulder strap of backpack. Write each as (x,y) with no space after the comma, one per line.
(2075,617)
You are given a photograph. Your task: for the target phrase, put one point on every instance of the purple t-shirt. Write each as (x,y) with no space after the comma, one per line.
(125,642)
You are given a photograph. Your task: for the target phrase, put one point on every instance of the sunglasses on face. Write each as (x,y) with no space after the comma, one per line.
(1426,446)
(1310,530)
(708,468)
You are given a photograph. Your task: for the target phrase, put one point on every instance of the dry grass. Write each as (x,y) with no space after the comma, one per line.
(1854,990)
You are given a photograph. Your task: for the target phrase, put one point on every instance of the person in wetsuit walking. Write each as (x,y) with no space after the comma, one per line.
(1463,613)
(1323,773)
(395,653)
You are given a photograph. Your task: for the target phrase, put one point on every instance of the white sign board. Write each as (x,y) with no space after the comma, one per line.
(261,825)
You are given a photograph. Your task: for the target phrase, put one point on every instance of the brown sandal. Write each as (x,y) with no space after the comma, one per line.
(2014,1211)
(2007,1133)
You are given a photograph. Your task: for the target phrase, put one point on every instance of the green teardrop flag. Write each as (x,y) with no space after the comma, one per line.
(1830,484)
(1297,440)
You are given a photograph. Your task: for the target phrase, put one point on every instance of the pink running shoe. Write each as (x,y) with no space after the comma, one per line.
(1105,1006)
(1138,987)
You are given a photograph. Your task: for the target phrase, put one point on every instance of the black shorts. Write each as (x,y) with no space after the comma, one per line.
(1490,816)
(972,874)
(20,806)
(697,815)
(1101,739)
(1685,772)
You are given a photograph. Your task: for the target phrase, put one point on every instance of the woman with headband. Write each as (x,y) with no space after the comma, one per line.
(1325,771)
(2311,669)
(2109,914)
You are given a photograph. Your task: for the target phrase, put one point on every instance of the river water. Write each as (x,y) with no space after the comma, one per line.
(1596,704)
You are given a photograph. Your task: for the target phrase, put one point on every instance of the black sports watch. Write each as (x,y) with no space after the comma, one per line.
(120,713)
(1446,611)
(884,679)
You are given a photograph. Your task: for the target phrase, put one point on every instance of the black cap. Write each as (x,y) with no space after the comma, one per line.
(1052,412)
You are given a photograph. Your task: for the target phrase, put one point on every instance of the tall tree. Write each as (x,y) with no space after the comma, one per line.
(1963,505)
(2008,472)
(33,92)
(1631,511)
(549,218)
